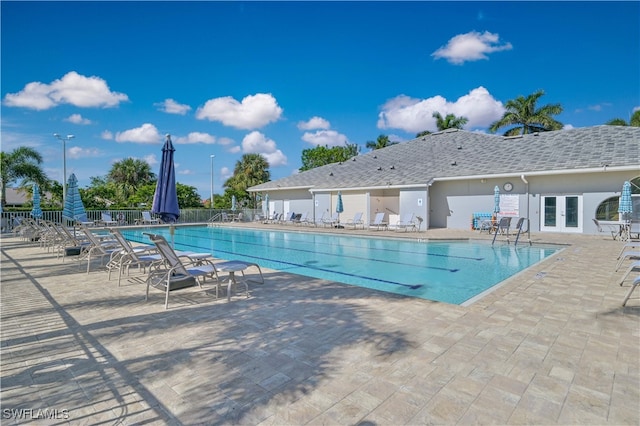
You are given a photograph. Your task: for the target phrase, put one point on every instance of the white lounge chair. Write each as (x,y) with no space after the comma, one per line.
(635,284)
(96,248)
(378,222)
(107,220)
(615,230)
(147,219)
(143,256)
(406,223)
(332,221)
(174,274)
(355,222)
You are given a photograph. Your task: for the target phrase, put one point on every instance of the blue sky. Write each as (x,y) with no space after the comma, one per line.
(228,78)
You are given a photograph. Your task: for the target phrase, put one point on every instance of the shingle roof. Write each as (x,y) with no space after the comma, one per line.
(459,153)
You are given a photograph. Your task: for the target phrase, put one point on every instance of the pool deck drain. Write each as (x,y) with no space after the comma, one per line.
(553,345)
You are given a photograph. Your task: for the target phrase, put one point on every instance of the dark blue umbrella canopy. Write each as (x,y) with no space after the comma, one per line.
(36,211)
(73,207)
(165,199)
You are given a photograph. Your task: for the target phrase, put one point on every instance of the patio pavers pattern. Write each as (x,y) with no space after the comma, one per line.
(551,346)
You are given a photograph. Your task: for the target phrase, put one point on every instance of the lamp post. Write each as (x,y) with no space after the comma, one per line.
(211,200)
(64,164)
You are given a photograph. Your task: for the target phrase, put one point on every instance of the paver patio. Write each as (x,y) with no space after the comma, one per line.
(551,346)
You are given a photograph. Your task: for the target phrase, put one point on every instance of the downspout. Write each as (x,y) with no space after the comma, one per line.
(526,182)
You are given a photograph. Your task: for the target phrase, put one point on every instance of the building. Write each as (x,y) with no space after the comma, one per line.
(560,180)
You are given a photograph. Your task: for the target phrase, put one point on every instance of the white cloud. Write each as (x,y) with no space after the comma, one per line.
(73,89)
(314,123)
(325,137)
(235,149)
(186,172)
(196,137)
(170,106)
(253,112)
(471,46)
(106,135)
(257,143)
(226,173)
(77,119)
(151,159)
(225,141)
(416,115)
(147,133)
(79,152)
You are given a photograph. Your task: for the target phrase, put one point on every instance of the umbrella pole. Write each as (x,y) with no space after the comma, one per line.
(172,232)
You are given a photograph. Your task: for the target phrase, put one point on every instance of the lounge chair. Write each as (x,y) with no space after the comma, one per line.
(97,248)
(147,219)
(635,284)
(615,230)
(143,256)
(627,255)
(406,223)
(355,222)
(175,274)
(334,220)
(378,222)
(301,219)
(635,266)
(503,228)
(107,220)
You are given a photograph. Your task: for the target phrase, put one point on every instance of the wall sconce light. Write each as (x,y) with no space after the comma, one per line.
(483,181)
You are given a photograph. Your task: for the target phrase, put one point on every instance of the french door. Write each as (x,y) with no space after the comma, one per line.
(561,213)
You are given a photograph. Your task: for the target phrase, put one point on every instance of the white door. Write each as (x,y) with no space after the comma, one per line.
(561,213)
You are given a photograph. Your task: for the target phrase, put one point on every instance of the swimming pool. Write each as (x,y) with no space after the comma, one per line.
(445,271)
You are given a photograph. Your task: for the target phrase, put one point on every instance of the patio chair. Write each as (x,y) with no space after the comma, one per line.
(355,222)
(502,228)
(378,222)
(143,256)
(615,230)
(332,221)
(635,266)
(175,274)
(406,223)
(97,248)
(147,219)
(635,284)
(107,220)
(301,219)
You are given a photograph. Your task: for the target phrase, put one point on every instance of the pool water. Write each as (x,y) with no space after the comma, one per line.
(445,271)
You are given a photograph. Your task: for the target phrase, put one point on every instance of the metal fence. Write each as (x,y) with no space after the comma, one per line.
(10,219)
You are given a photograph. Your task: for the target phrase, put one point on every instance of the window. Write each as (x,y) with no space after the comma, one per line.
(608,209)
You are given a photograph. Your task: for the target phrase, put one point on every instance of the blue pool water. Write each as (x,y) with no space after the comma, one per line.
(445,271)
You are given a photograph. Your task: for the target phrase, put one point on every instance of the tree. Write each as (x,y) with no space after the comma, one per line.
(423,133)
(382,142)
(633,122)
(188,196)
(21,163)
(450,121)
(128,175)
(250,170)
(526,118)
(322,155)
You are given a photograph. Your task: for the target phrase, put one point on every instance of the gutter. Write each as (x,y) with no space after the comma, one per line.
(604,168)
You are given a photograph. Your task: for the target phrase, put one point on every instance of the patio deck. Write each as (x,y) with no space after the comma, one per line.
(552,346)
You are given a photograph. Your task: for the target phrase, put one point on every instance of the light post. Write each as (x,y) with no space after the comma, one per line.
(211,200)
(64,164)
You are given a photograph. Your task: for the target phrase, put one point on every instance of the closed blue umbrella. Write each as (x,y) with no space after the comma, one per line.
(165,199)
(73,207)
(339,205)
(36,212)
(625,207)
(265,205)
(496,200)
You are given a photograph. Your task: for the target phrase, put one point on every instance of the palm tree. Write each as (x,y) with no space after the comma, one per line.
(423,133)
(128,175)
(523,114)
(633,122)
(251,170)
(382,142)
(21,163)
(449,122)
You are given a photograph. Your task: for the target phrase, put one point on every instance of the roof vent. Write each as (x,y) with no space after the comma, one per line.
(331,174)
(392,167)
(379,168)
(459,146)
(375,156)
(353,159)
(454,163)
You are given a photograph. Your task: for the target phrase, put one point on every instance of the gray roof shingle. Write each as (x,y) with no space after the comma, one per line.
(459,153)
